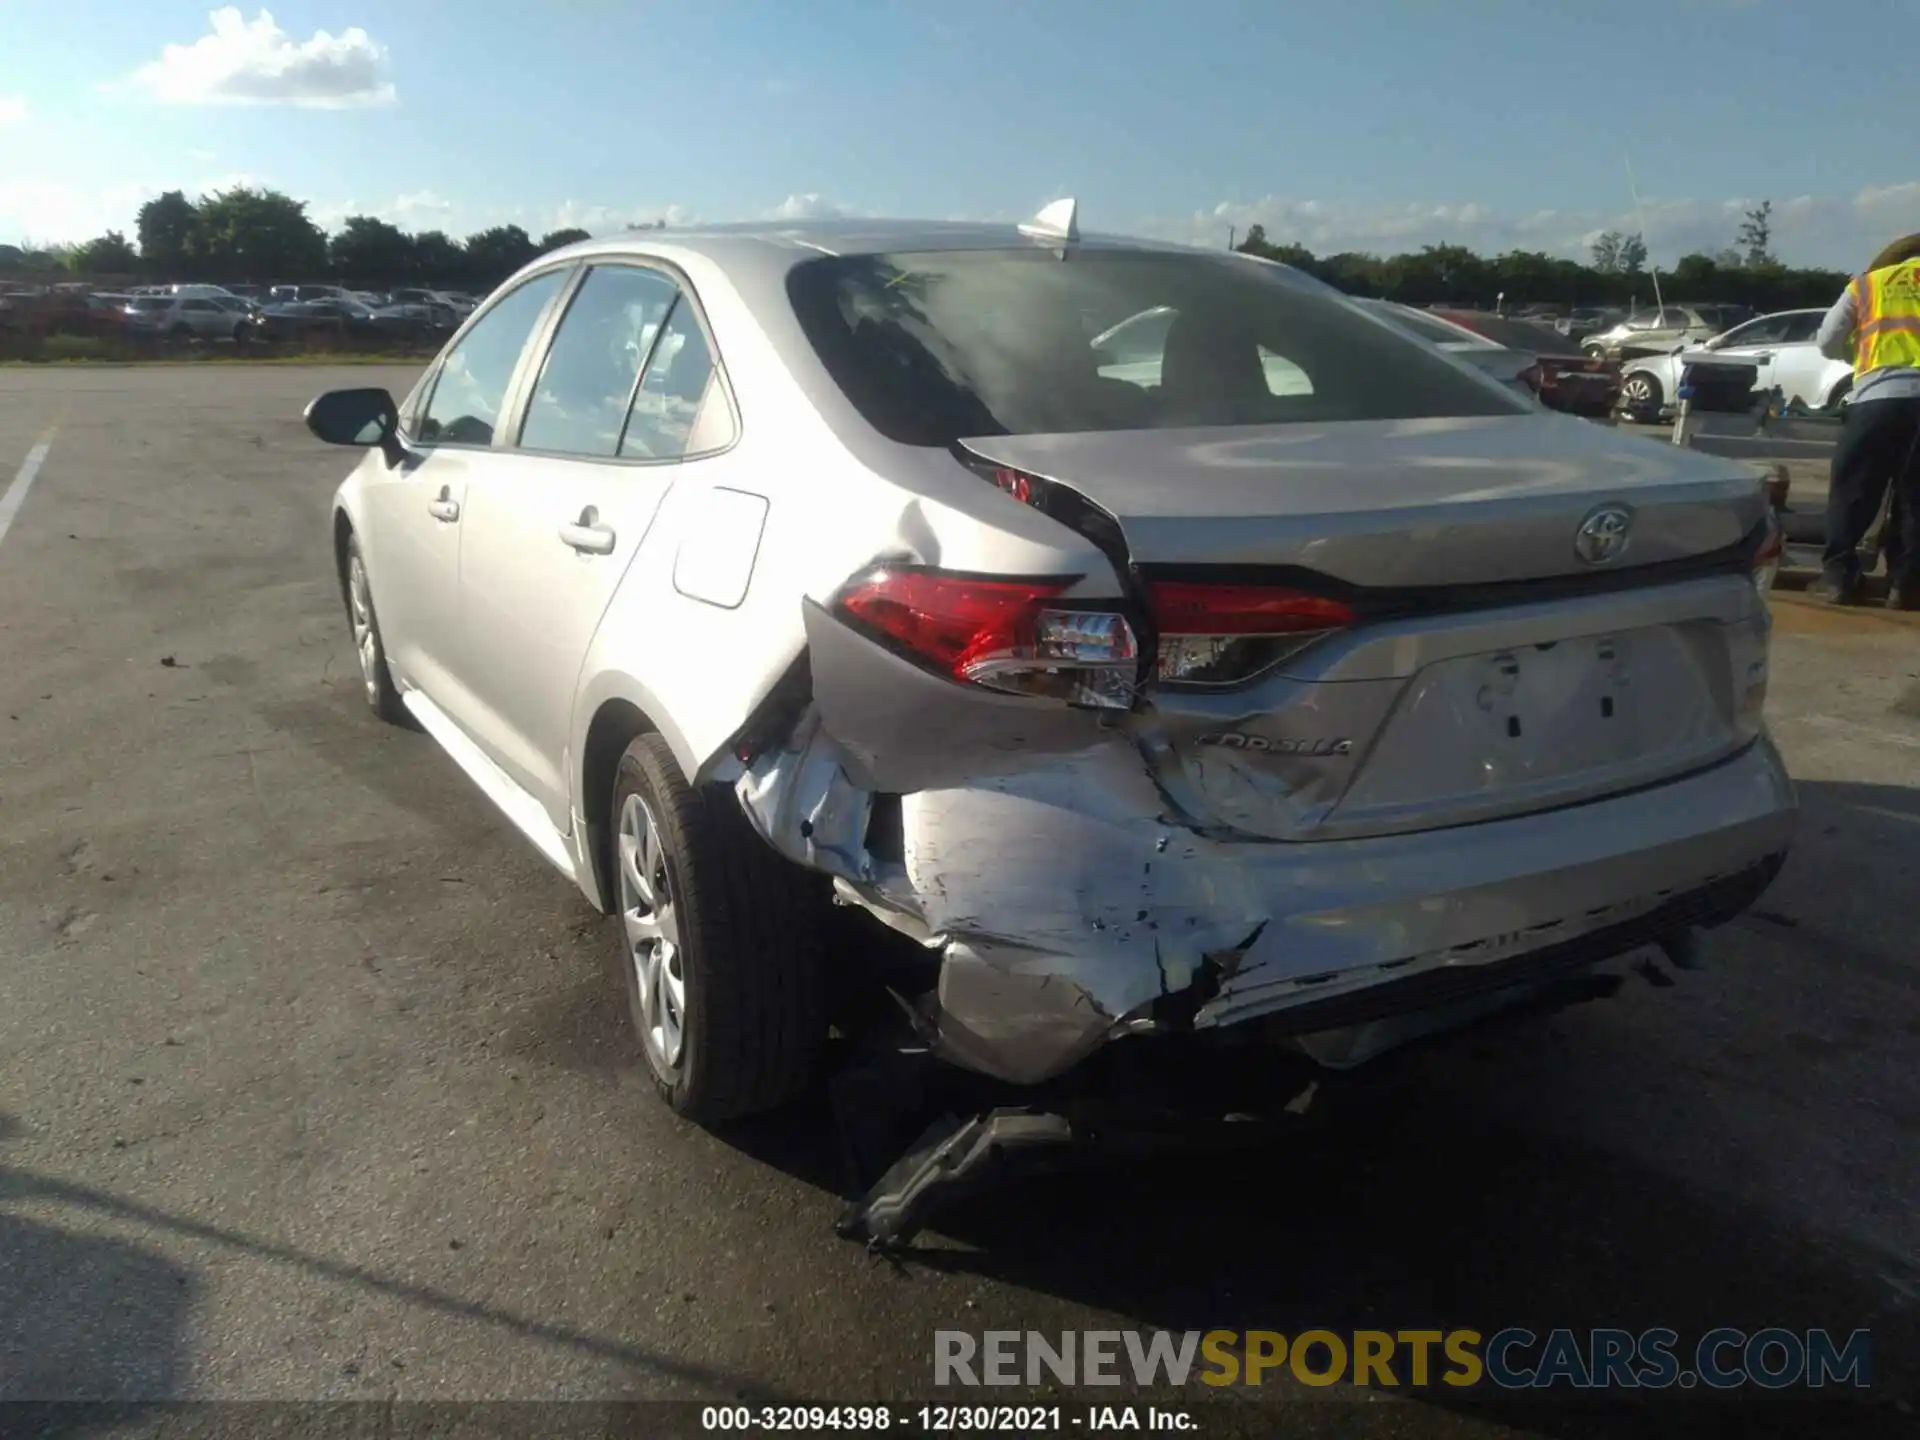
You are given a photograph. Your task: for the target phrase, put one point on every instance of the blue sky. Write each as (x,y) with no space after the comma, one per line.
(1375,124)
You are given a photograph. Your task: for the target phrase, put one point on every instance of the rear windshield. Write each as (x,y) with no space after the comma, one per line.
(940,346)
(1523,335)
(152,302)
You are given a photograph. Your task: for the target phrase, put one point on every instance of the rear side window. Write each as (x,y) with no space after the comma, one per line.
(472,383)
(680,408)
(579,403)
(939,346)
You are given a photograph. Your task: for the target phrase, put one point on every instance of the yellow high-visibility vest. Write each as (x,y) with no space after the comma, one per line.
(1886,307)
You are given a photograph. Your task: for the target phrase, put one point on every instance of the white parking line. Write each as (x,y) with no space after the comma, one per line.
(16,495)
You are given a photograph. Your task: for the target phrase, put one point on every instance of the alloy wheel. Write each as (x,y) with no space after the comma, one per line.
(366,640)
(650,919)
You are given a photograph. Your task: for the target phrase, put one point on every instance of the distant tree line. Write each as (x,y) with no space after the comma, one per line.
(247,235)
(1744,273)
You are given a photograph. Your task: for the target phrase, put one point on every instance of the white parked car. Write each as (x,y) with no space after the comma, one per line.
(191,317)
(1779,346)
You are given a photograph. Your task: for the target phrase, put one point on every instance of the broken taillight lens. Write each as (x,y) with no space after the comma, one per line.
(1214,634)
(1008,635)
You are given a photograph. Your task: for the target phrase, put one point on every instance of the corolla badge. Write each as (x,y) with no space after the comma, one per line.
(1318,747)
(1603,535)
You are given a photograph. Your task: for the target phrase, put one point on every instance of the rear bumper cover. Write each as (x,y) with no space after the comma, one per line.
(1066,914)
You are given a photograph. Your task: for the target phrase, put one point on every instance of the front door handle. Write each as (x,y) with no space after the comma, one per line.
(588,535)
(445,507)
(1763,357)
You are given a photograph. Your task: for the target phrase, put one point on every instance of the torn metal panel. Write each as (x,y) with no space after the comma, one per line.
(804,803)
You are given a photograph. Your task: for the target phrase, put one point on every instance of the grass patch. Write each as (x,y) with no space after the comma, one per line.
(94,350)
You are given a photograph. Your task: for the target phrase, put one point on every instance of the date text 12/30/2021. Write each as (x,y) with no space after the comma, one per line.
(942,1419)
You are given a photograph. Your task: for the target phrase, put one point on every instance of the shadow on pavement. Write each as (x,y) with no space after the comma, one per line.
(1408,1205)
(84,1317)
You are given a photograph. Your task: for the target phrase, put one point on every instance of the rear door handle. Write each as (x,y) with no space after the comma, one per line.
(445,507)
(588,535)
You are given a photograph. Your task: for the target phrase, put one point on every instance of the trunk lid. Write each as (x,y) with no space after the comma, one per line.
(1487,669)
(1411,503)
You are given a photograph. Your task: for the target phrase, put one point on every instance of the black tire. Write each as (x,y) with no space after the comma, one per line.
(1836,402)
(751,947)
(370,650)
(1641,396)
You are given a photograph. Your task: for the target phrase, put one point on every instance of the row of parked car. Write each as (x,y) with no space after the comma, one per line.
(238,313)
(1634,365)
(274,312)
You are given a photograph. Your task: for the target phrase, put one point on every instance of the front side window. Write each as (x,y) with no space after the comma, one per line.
(1769,331)
(940,346)
(1801,328)
(579,403)
(472,384)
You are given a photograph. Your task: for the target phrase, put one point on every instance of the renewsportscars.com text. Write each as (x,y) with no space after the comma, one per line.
(1772,1358)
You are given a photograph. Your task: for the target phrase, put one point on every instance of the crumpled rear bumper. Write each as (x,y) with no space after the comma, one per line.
(1067,913)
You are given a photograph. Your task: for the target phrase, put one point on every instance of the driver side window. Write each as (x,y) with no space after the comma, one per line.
(472,384)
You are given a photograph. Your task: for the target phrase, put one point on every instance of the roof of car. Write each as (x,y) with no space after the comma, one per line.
(783,243)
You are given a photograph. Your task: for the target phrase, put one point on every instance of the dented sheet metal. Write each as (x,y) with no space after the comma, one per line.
(1068,899)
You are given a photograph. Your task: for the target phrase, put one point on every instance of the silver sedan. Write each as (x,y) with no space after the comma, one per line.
(1261,663)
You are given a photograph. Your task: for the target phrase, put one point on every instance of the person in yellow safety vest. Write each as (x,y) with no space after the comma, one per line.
(1875,324)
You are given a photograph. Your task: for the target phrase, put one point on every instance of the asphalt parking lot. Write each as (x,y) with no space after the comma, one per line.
(315,1081)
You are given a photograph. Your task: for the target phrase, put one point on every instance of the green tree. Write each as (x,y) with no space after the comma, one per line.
(554,239)
(371,251)
(494,254)
(1633,254)
(1606,252)
(436,259)
(107,254)
(247,234)
(1755,239)
(167,226)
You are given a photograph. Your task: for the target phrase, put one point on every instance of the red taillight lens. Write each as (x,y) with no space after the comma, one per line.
(1222,634)
(1196,608)
(1003,634)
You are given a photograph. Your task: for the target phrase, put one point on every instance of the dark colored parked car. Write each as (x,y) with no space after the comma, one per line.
(1570,379)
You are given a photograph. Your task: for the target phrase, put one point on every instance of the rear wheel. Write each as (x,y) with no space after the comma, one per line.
(1840,395)
(1641,396)
(722,945)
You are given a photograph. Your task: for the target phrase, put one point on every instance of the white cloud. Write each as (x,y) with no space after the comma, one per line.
(810,206)
(605,219)
(255,62)
(1807,230)
(13,109)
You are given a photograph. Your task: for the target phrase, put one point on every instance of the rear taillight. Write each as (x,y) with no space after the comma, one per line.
(1214,634)
(1008,635)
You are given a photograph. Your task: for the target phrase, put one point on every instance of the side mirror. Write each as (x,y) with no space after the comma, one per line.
(355,417)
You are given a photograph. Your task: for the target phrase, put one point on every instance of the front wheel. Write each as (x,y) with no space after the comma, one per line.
(722,945)
(376,679)
(1641,396)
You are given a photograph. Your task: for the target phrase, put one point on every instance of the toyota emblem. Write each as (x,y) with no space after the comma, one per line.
(1602,536)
